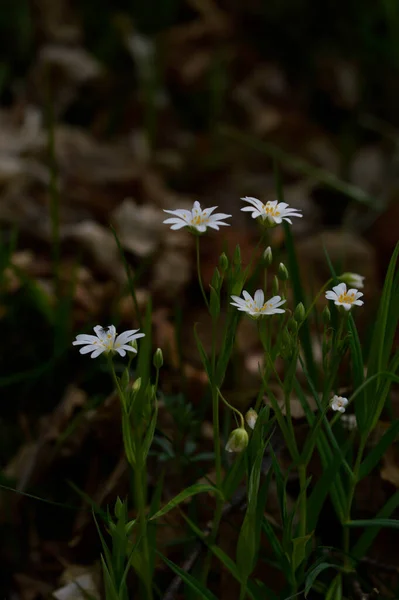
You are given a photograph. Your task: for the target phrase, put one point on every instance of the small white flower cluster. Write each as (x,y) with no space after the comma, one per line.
(197,220)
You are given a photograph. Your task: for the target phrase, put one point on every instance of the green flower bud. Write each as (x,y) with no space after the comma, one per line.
(283,272)
(216,280)
(223,262)
(275,286)
(268,256)
(237,441)
(158,358)
(119,506)
(299,313)
(326,315)
(237,256)
(137,385)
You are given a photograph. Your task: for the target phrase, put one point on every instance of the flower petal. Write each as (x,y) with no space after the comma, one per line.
(340,289)
(259,298)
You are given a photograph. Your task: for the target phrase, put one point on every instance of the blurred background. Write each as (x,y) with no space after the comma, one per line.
(111,111)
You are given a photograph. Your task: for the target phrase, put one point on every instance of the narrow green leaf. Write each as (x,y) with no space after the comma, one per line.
(312,576)
(247,546)
(203,354)
(299,550)
(390,523)
(191,581)
(197,488)
(234,476)
(367,537)
(378,451)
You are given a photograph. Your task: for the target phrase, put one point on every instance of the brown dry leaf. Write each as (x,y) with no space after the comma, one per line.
(390,466)
(79,582)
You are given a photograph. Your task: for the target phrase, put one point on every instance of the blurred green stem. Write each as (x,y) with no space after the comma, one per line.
(197,246)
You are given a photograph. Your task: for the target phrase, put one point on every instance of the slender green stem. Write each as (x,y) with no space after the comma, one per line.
(232,408)
(352,488)
(197,246)
(140,497)
(303,504)
(311,307)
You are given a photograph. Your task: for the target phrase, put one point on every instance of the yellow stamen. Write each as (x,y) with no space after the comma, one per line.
(347,298)
(271,210)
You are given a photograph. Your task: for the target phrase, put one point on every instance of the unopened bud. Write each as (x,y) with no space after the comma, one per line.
(238,440)
(118,510)
(268,256)
(353,280)
(275,286)
(299,313)
(283,272)
(158,358)
(326,315)
(237,256)
(134,345)
(251,417)
(223,262)
(137,385)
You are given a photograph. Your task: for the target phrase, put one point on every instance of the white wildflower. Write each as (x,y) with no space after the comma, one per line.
(107,341)
(344,297)
(251,418)
(197,220)
(353,279)
(257,307)
(338,403)
(238,440)
(273,212)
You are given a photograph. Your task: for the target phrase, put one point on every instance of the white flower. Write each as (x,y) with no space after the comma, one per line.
(251,418)
(273,211)
(339,403)
(196,219)
(106,340)
(257,307)
(238,440)
(344,298)
(353,279)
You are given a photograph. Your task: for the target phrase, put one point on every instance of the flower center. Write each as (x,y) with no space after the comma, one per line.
(346,298)
(271,210)
(199,220)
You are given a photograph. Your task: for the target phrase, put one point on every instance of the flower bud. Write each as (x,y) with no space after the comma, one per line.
(299,313)
(158,358)
(268,256)
(283,272)
(134,345)
(237,256)
(353,280)
(250,417)
(326,315)
(275,286)
(223,262)
(119,506)
(137,385)
(237,441)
